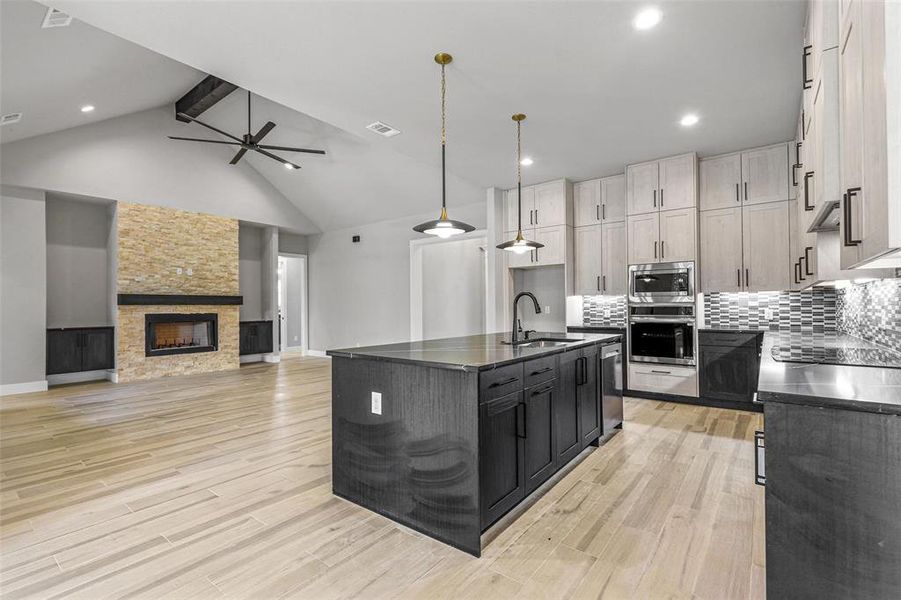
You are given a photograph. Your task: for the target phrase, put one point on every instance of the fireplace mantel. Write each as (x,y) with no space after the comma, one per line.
(178,299)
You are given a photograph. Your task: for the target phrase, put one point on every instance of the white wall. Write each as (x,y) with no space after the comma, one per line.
(547,283)
(23,292)
(78,240)
(129,158)
(360,293)
(250,271)
(292,243)
(453,289)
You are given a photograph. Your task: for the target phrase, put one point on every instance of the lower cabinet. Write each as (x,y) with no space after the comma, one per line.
(589,398)
(255,337)
(537,428)
(566,409)
(728,366)
(501,456)
(80,349)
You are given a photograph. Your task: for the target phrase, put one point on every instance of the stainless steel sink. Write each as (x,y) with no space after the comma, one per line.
(546,342)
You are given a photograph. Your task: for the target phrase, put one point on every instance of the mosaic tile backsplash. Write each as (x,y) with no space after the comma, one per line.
(604,311)
(808,311)
(872,311)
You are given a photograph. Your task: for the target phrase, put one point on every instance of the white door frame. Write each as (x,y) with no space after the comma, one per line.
(304,298)
(416,247)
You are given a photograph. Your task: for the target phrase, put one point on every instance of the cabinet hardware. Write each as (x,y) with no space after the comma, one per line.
(794,175)
(540,371)
(597,210)
(536,216)
(738,277)
(536,249)
(584,360)
(530,217)
(737,197)
(802,269)
(655,198)
(807,82)
(807,249)
(662,247)
(849,240)
(747,277)
(521,431)
(599,283)
(543,390)
(797,271)
(662,372)
(807,205)
(746,191)
(655,249)
(661,197)
(603,283)
(497,384)
(803,126)
(798,150)
(604,212)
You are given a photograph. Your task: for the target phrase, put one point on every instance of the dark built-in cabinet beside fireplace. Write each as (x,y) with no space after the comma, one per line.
(80,349)
(255,337)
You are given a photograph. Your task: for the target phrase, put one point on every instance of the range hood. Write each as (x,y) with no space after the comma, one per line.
(828,218)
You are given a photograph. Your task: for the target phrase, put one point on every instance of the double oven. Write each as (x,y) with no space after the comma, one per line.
(662,325)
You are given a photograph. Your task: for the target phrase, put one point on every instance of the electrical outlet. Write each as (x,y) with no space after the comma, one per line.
(190,271)
(547,309)
(295,338)
(376,403)
(178,270)
(768,314)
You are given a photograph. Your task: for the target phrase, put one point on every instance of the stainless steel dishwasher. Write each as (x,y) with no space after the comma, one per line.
(612,386)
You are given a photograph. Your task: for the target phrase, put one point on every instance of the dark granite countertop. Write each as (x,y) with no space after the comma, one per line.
(592,328)
(470,353)
(853,387)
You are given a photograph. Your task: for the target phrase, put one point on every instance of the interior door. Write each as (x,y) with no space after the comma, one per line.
(501,456)
(615,271)
(587,202)
(589,260)
(677,182)
(538,432)
(641,188)
(720,181)
(613,198)
(589,398)
(765,174)
(721,260)
(678,234)
(643,238)
(566,408)
(766,242)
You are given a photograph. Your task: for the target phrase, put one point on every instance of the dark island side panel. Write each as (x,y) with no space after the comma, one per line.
(417,462)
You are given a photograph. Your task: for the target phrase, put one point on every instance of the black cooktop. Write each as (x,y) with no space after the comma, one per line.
(831,355)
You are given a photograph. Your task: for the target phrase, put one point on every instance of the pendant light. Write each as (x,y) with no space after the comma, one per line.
(442,226)
(519,244)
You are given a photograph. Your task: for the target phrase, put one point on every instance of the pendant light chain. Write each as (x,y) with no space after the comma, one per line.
(519,177)
(443,107)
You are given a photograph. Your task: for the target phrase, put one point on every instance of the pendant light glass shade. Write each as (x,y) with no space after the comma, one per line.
(442,226)
(519,244)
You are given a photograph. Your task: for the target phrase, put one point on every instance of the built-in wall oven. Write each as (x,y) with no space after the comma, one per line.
(656,283)
(662,334)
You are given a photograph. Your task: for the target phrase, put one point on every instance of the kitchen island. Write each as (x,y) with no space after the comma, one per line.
(446,436)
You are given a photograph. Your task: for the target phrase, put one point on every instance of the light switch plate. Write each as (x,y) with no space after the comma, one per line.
(376,403)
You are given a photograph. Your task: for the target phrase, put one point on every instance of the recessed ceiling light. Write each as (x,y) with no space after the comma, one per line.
(87,108)
(526,161)
(689,120)
(647,18)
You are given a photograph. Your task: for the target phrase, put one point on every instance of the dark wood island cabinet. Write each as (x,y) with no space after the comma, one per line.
(447,436)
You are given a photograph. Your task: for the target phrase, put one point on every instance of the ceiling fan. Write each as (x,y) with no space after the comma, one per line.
(248,141)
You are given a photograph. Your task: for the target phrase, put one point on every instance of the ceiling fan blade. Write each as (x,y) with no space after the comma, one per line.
(187,139)
(274,157)
(238,156)
(287,149)
(228,135)
(265,129)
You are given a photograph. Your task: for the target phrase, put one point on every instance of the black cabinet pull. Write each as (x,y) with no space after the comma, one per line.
(521,416)
(795,175)
(807,82)
(655,249)
(661,197)
(849,240)
(737,196)
(530,218)
(662,249)
(662,372)
(803,126)
(747,277)
(599,283)
(655,198)
(603,283)
(738,277)
(797,271)
(798,148)
(540,371)
(497,384)
(536,216)
(746,191)
(802,269)
(597,211)
(604,212)
(807,206)
(807,260)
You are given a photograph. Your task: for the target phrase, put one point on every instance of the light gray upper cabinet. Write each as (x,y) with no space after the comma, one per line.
(614,273)
(554,240)
(678,234)
(528,209)
(870,98)
(754,176)
(678,182)
(721,248)
(553,203)
(642,188)
(587,202)
(613,198)
(765,246)
(643,233)
(588,250)
(720,181)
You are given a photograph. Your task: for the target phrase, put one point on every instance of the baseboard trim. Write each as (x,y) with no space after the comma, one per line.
(320,353)
(81,377)
(250,358)
(272,358)
(28,387)
(700,401)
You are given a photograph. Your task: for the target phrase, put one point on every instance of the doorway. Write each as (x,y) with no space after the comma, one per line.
(292,303)
(447,287)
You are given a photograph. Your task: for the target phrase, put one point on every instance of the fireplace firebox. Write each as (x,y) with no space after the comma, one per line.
(180,334)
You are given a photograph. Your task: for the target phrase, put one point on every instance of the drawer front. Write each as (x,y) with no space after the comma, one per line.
(539,369)
(500,382)
(723,338)
(664,379)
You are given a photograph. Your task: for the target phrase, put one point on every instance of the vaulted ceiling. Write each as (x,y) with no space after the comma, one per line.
(598,93)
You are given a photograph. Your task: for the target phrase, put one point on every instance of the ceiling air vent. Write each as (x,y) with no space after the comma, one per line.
(383,129)
(10,118)
(56,18)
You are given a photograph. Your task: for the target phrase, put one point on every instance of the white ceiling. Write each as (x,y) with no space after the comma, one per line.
(599,94)
(49,74)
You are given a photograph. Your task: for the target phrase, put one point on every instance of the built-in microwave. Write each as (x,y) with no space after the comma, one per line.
(664,283)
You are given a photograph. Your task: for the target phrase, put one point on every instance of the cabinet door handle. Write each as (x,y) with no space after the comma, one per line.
(747,277)
(746,191)
(597,212)
(738,277)
(661,197)
(655,249)
(803,126)
(536,249)
(542,390)
(540,371)
(655,198)
(599,283)
(807,260)
(497,384)
(737,196)
(849,239)
(807,82)
(662,372)
(662,248)
(798,148)
(797,271)
(604,212)
(521,417)
(530,217)
(801,269)
(536,216)
(807,176)
(603,283)
(795,175)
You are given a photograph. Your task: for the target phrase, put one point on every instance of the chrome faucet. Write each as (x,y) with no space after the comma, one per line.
(515,337)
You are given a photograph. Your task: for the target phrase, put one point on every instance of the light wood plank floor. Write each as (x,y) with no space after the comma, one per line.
(219,486)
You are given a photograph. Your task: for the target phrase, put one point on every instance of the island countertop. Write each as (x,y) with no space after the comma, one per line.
(863,388)
(473,352)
